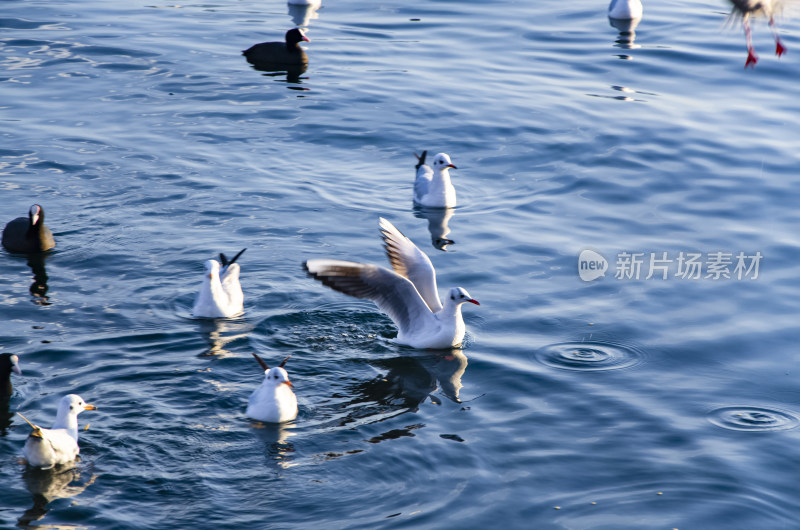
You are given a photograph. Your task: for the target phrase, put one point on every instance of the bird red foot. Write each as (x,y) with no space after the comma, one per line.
(752,59)
(779,48)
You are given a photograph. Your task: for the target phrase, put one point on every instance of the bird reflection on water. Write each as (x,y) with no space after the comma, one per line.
(438,219)
(39,287)
(218,333)
(47,485)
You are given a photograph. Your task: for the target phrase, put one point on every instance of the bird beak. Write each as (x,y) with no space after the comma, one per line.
(306,38)
(474,301)
(451,166)
(16,369)
(89,407)
(288,383)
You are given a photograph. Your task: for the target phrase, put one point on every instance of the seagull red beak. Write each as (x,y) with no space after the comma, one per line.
(306,38)
(451,166)
(288,383)
(474,301)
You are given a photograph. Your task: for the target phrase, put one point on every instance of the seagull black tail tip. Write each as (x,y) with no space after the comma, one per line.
(421,159)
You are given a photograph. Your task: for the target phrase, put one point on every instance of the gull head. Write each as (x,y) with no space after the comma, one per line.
(459,295)
(212,268)
(73,404)
(441,162)
(277,376)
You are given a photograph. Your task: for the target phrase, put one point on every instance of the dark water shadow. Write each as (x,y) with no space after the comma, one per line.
(276,70)
(38,288)
(438,219)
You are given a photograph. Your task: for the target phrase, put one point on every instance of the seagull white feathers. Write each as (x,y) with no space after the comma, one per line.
(46,448)
(625,9)
(408,295)
(273,401)
(432,187)
(220,293)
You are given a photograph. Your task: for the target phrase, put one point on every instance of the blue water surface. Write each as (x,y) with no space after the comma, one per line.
(621,402)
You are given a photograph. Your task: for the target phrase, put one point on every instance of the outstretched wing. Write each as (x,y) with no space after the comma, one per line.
(410,262)
(393,294)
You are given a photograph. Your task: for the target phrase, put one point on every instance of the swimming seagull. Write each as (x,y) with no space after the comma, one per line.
(46,448)
(625,9)
(8,363)
(408,294)
(220,294)
(28,234)
(273,401)
(432,187)
(765,8)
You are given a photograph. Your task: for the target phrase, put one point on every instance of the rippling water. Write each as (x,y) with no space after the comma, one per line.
(613,403)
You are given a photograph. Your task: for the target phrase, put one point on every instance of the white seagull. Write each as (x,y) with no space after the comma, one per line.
(273,401)
(432,187)
(625,9)
(408,294)
(220,294)
(58,445)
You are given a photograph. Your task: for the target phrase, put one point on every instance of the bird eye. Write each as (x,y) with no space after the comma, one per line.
(452,297)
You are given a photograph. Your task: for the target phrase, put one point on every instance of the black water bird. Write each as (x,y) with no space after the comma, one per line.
(28,234)
(8,363)
(279,55)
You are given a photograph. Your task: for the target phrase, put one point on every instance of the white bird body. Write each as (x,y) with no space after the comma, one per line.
(273,401)
(625,9)
(432,187)
(220,294)
(408,294)
(46,448)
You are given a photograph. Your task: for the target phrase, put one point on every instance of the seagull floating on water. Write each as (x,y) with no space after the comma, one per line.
(625,9)
(58,445)
(432,187)
(220,294)
(28,234)
(766,8)
(273,401)
(8,363)
(408,295)
(279,53)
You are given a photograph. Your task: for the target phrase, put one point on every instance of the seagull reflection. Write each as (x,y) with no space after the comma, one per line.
(437,224)
(219,333)
(627,32)
(411,380)
(303,14)
(39,287)
(447,367)
(47,485)
(278,450)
